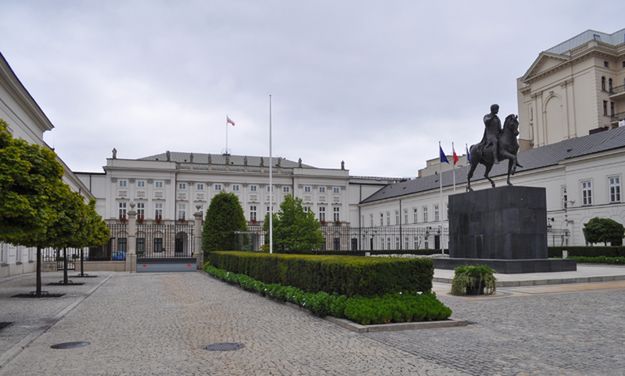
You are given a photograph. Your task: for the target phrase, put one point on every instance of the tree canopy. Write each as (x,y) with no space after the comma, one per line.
(293,228)
(604,230)
(223,218)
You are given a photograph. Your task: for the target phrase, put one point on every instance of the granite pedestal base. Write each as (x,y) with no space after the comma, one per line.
(510,266)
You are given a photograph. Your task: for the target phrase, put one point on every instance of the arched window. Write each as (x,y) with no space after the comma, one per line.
(610,85)
(603,83)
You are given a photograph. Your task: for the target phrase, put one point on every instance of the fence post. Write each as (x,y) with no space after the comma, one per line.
(131,246)
(197,230)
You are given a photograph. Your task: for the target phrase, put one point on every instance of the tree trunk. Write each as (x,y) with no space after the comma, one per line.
(38,289)
(65,278)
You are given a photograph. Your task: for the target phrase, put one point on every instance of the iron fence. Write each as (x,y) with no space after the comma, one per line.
(165,240)
(345,238)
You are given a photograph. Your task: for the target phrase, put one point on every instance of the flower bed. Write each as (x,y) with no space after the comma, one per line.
(392,307)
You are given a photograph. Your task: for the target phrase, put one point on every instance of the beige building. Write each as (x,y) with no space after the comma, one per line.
(573,89)
(27,121)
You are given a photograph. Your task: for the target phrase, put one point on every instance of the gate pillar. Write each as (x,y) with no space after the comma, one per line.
(131,254)
(197,231)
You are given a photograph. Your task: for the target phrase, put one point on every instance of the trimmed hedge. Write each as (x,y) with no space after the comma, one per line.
(396,307)
(418,252)
(599,260)
(588,251)
(342,275)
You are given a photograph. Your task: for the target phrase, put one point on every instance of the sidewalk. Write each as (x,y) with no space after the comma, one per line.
(30,317)
(585,273)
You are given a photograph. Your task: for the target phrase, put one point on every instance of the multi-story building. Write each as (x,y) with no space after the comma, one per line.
(27,121)
(573,89)
(173,186)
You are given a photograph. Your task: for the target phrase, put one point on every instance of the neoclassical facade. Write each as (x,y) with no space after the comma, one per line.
(172,186)
(26,121)
(573,89)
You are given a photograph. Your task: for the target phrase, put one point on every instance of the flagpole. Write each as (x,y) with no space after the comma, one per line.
(453,149)
(226,134)
(440,198)
(270,184)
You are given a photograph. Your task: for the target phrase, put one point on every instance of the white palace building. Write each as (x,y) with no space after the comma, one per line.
(571,111)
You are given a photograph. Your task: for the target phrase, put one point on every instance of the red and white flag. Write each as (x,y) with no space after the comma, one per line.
(229,121)
(455,156)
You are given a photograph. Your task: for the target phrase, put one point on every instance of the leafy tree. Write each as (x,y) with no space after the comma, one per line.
(294,229)
(30,182)
(223,217)
(604,230)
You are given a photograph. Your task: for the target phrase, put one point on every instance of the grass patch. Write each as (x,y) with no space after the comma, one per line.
(599,260)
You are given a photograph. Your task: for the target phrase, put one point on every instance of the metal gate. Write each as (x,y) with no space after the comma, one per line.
(165,248)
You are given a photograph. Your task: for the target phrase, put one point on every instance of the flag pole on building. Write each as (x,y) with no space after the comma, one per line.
(228,122)
(455,159)
(270,184)
(443,159)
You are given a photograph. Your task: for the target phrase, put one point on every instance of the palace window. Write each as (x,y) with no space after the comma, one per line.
(612,108)
(436,213)
(415,215)
(253,213)
(286,189)
(322,189)
(605,108)
(236,187)
(336,189)
(140,183)
(307,189)
(306,209)
(397,217)
(158,210)
(614,184)
(610,85)
(182,212)
(322,214)
(182,186)
(425,214)
(140,210)
(381,219)
(587,192)
(217,187)
(337,214)
(253,188)
(406,217)
(158,184)
(388,218)
(123,183)
(122,210)
(371,220)
(603,83)
(199,187)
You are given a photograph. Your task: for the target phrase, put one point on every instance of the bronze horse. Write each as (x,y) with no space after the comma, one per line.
(508,148)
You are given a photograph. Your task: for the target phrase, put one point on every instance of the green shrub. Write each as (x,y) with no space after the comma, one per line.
(604,230)
(342,275)
(397,307)
(588,251)
(473,280)
(599,260)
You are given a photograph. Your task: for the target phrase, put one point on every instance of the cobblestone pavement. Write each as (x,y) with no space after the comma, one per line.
(158,324)
(29,315)
(521,333)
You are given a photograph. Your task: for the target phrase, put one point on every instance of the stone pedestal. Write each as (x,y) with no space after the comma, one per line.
(503,227)
(197,230)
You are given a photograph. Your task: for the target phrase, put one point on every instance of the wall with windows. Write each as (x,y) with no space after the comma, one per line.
(577,190)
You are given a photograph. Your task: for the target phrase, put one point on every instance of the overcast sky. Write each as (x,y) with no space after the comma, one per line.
(374,83)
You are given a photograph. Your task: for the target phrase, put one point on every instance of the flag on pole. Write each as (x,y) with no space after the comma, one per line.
(468,154)
(229,121)
(455,156)
(442,155)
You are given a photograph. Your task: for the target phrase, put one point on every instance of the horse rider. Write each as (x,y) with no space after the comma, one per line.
(492,130)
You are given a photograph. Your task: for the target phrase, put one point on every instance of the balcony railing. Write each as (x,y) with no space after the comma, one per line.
(615,118)
(616,91)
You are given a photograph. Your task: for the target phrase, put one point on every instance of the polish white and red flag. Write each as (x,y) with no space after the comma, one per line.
(229,121)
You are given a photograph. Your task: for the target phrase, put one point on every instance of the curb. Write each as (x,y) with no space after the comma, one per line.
(16,349)
(396,326)
(543,282)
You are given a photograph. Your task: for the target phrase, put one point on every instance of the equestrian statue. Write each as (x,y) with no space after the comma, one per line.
(497,145)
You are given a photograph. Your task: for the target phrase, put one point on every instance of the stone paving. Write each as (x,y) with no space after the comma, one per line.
(158,324)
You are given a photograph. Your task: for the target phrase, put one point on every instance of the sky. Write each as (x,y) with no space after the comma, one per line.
(376,84)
